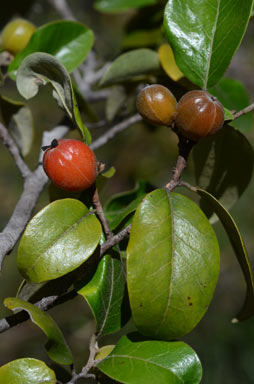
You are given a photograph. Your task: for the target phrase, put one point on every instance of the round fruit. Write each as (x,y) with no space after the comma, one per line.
(198,115)
(16,34)
(70,164)
(156,104)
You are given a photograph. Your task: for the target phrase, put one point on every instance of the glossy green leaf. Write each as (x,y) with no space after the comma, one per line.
(69,41)
(240,251)
(56,346)
(151,361)
(40,69)
(57,240)
(123,204)
(205,35)
(173,263)
(133,63)
(234,96)
(26,371)
(22,130)
(219,163)
(109,6)
(105,295)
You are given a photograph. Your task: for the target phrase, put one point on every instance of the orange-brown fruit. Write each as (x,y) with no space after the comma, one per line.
(70,164)
(198,115)
(156,104)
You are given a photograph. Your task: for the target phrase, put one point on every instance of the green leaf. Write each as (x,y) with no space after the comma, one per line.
(105,295)
(103,177)
(9,107)
(143,38)
(104,351)
(57,240)
(41,68)
(123,204)
(108,6)
(56,346)
(228,115)
(204,36)
(234,96)
(68,41)
(21,128)
(172,265)
(240,251)
(115,101)
(1,78)
(19,120)
(26,371)
(219,163)
(135,362)
(133,63)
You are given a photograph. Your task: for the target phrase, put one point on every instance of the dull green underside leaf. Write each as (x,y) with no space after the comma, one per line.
(40,69)
(56,346)
(240,251)
(130,64)
(219,161)
(108,6)
(172,265)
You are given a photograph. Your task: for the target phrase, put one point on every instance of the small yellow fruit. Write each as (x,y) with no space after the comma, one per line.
(16,34)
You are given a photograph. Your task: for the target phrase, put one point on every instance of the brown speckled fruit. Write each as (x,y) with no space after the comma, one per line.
(156,104)
(198,115)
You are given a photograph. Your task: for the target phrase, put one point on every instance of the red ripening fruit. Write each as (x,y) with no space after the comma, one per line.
(198,115)
(156,104)
(70,164)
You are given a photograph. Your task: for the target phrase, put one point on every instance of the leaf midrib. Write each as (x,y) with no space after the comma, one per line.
(211,45)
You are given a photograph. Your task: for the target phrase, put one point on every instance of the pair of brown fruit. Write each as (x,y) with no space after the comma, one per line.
(72,165)
(197,114)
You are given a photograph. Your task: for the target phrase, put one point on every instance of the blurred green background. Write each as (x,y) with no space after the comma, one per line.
(226,350)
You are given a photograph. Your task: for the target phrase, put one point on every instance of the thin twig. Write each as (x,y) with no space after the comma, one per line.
(115,130)
(185,145)
(63,9)
(14,151)
(100,213)
(177,173)
(93,347)
(244,111)
(87,75)
(115,240)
